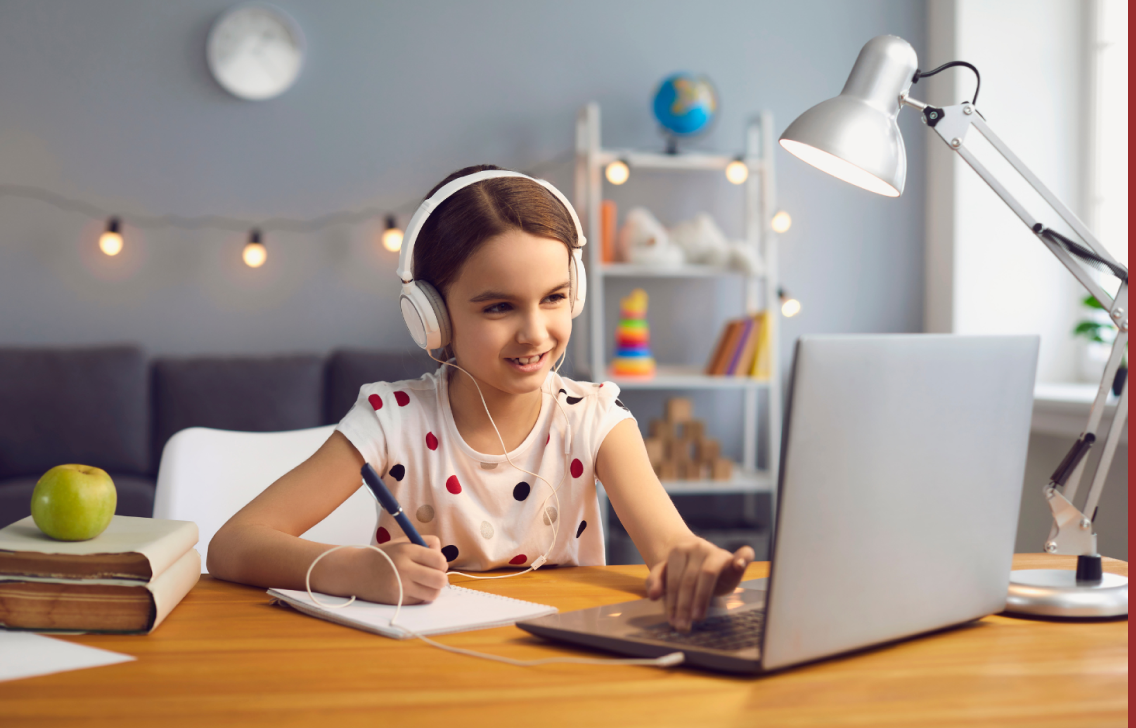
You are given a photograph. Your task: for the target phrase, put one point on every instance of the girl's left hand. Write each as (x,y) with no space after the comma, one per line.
(692,573)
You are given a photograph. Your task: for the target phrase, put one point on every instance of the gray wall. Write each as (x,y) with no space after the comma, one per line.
(110,102)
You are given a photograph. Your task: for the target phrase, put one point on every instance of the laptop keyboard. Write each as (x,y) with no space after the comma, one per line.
(727,632)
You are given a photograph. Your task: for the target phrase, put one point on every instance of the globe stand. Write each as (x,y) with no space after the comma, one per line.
(672,143)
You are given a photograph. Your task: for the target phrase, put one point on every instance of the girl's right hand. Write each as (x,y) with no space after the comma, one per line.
(423,572)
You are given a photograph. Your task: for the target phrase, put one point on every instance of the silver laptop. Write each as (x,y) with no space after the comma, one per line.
(902,465)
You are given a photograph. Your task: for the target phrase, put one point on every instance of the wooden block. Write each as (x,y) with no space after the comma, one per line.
(707,450)
(723,469)
(680,450)
(662,429)
(667,471)
(656,450)
(694,430)
(679,409)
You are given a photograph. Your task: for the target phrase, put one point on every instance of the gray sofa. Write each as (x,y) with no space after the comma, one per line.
(113,408)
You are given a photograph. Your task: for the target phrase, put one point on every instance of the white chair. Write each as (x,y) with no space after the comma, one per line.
(207,475)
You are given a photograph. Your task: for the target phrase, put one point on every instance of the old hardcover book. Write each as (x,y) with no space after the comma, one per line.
(96,605)
(136,549)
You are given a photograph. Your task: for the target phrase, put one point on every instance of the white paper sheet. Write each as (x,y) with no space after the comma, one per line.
(26,654)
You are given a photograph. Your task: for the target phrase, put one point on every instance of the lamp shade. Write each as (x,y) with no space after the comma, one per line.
(854,136)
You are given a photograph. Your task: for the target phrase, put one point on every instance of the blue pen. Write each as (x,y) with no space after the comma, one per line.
(390,505)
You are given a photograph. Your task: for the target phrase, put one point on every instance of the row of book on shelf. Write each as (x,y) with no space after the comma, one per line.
(125,580)
(743,348)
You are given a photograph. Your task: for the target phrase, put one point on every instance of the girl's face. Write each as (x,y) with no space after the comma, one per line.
(509,311)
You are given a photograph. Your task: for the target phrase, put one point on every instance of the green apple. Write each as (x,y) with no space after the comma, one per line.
(74,502)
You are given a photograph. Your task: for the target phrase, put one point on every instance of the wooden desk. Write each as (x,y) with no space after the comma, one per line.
(225,657)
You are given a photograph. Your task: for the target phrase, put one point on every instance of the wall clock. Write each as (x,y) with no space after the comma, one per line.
(255,51)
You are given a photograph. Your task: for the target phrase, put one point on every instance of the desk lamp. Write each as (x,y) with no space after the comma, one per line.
(854,137)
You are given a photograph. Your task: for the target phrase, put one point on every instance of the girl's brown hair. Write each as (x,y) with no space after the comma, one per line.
(471,216)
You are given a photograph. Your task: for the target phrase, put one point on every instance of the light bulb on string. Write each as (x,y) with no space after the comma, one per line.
(617,172)
(392,236)
(781,222)
(737,171)
(110,242)
(254,253)
(790,306)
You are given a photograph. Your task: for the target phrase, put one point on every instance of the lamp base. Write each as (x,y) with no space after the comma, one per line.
(1056,593)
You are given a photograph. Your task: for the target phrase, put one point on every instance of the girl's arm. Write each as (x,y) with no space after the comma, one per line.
(686,569)
(261,544)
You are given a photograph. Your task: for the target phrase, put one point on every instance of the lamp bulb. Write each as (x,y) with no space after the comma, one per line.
(617,172)
(790,307)
(254,253)
(781,222)
(737,171)
(392,236)
(110,242)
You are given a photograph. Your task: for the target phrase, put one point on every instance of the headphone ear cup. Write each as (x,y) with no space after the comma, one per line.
(441,316)
(578,279)
(424,312)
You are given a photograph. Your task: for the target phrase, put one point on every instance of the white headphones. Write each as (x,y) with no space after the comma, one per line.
(423,308)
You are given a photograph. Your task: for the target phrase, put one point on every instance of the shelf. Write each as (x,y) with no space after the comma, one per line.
(671,376)
(631,270)
(744,481)
(680,161)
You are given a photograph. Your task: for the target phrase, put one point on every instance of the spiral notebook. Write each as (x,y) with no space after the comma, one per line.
(455,610)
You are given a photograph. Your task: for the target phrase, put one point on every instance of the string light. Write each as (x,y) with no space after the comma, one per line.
(254,253)
(392,236)
(781,222)
(790,306)
(737,171)
(617,172)
(110,242)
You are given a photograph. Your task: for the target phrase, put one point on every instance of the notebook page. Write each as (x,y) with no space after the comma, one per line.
(455,610)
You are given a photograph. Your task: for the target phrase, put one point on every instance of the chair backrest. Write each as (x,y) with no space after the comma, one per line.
(207,475)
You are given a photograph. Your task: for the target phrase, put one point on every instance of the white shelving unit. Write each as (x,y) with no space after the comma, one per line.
(760,289)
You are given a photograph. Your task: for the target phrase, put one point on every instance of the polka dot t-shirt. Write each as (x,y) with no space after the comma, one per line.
(486,513)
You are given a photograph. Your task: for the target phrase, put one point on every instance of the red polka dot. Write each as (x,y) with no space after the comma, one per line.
(518,559)
(383,535)
(402,398)
(577,468)
(431,441)
(548,439)
(453,485)
(376,401)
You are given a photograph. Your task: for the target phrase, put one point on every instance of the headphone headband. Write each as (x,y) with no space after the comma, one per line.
(406,255)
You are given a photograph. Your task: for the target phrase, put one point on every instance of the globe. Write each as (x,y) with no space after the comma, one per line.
(685,104)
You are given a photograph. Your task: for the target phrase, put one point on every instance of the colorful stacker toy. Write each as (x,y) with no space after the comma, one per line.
(633,338)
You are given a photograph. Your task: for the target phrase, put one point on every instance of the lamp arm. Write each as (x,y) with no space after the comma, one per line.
(1069,534)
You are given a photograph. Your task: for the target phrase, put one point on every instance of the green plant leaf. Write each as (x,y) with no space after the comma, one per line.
(1092,302)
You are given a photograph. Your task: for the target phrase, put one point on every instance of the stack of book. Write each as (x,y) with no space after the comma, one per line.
(126,580)
(743,348)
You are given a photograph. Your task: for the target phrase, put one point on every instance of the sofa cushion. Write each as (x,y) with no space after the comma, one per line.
(135,497)
(349,369)
(255,394)
(73,405)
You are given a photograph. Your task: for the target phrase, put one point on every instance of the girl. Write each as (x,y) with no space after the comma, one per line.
(494,456)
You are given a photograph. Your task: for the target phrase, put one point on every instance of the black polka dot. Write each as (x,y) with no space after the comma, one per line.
(450,552)
(583,525)
(398,472)
(573,400)
(564,392)
(521,490)
(622,405)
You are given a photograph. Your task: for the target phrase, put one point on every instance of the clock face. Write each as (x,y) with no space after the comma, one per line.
(255,51)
